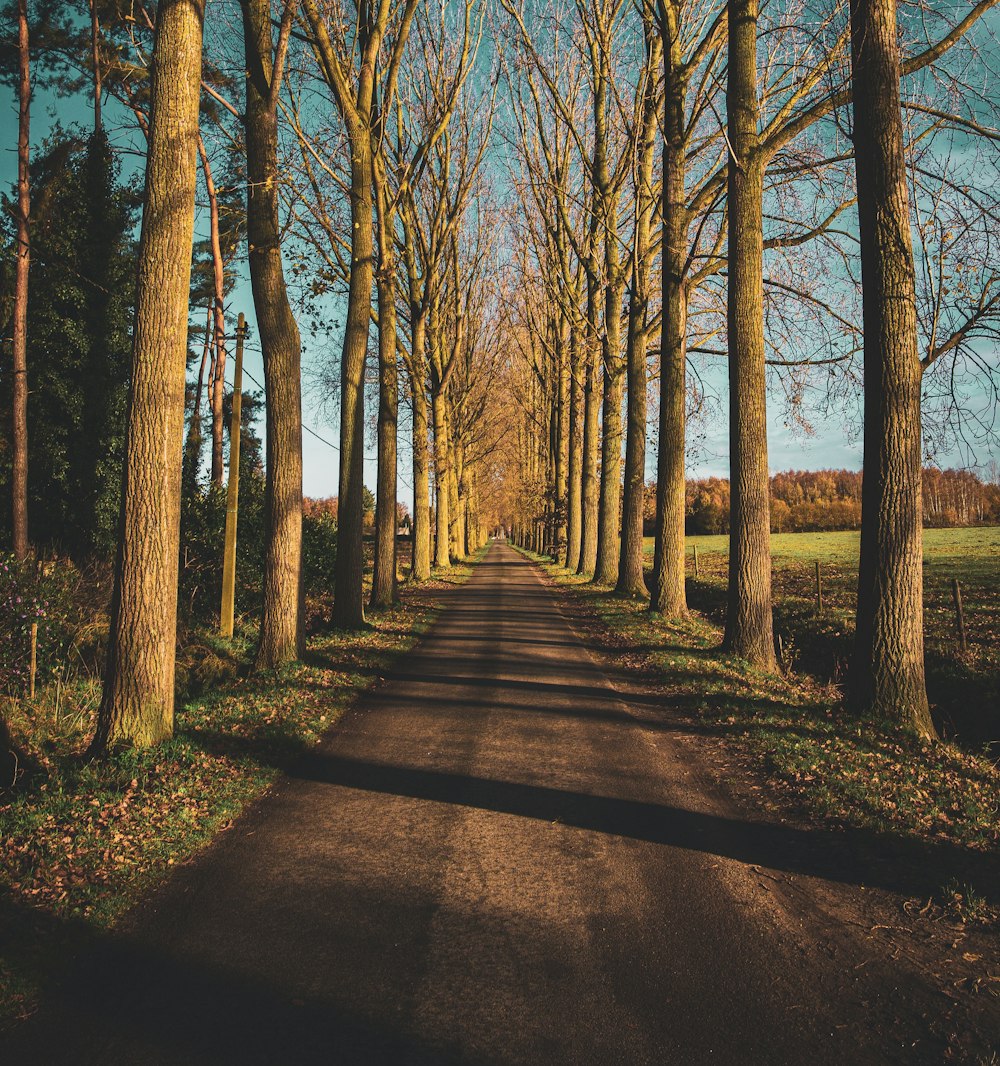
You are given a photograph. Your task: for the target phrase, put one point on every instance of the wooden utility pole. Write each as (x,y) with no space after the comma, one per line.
(233,490)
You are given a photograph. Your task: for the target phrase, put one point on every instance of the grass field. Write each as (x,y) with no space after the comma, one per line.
(965,689)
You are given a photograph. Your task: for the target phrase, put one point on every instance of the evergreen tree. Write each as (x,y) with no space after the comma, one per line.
(79,315)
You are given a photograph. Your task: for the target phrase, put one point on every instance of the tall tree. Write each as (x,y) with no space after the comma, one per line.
(137,704)
(888,669)
(384,569)
(749,624)
(281,634)
(19,391)
(353,72)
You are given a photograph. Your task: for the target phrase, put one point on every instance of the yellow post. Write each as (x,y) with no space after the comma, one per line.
(33,668)
(233,490)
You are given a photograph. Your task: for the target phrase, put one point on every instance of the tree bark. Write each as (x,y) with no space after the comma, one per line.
(281,634)
(19,389)
(888,670)
(348,604)
(668,596)
(442,555)
(631,567)
(137,705)
(749,627)
(610,498)
(591,408)
(420,569)
(384,574)
(574,492)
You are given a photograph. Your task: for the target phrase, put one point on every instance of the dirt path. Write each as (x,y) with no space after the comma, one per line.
(493,860)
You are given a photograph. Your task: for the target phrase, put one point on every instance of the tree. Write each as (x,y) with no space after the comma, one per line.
(281,635)
(354,89)
(137,704)
(79,314)
(888,669)
(19,390)
(749,627)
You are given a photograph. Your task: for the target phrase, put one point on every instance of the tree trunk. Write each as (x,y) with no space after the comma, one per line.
(631,576)
(281,634)
(591,408)
(574,492)
(442,466)
(610,501)
(384,573)
(668,595)
(749,632)
(348,604)
(888,670)
(562,443)
(420,569)
(137,705)
(19,389)
(631,579)
(95,63)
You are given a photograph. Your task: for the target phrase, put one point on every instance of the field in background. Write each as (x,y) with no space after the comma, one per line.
(965,689)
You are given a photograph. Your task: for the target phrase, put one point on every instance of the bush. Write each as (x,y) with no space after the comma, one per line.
(21,608)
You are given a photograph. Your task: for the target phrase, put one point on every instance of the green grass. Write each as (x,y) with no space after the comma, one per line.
(840,769)
(88,841)
(964,689)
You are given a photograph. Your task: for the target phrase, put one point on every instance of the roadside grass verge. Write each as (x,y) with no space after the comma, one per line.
(836,768)
(89,839)
(964,687)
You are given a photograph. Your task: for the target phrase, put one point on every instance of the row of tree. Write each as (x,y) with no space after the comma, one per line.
(557,216)
(801,212)
(348,163)
(805,501)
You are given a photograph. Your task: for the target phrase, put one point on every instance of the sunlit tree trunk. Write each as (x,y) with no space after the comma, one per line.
(19,386)
(384,573)
(348,602)
(442,466)
(574,492)
(888,670)
(749,632)
(421,561)
(281,634)
(591,431)
(137,705)
(631,576)
(667,595)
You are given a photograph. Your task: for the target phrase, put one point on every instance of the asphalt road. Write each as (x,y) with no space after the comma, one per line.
(495,859)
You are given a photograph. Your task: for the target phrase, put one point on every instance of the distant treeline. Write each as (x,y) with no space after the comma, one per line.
(806,501)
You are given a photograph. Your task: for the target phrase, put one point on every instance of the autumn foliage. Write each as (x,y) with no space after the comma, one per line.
(813,501)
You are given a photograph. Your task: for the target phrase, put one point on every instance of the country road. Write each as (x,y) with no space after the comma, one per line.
(496,858)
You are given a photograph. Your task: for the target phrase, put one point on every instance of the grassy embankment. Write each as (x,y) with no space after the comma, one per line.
(88,839)
(793,726)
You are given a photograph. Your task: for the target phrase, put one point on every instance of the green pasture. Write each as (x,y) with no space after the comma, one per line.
(963,686)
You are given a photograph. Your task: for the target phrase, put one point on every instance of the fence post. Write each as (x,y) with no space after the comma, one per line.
(233,491)
(33,665)
(696,560)
(956,593)
(819,588)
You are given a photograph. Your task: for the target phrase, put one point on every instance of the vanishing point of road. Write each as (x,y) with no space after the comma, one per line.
(496,858)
